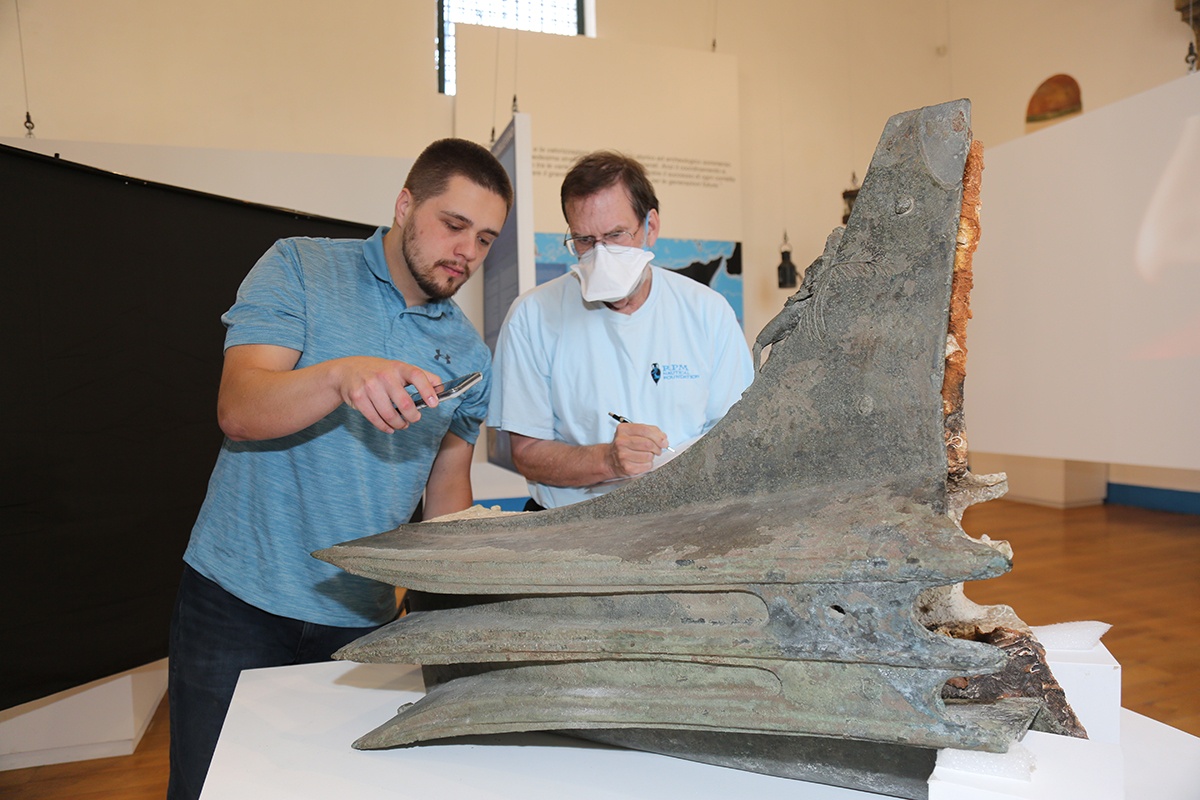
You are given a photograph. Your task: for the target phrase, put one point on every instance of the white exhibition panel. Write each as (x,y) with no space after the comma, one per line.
(510,266)
(1082,346)
(673,109)
(353,188)
(289,730)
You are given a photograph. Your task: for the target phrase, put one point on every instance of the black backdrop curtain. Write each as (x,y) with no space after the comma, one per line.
(111,338)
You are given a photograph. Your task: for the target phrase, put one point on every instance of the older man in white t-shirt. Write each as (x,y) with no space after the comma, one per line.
(600,373)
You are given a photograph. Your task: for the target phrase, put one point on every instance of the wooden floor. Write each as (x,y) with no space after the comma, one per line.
(1138,570)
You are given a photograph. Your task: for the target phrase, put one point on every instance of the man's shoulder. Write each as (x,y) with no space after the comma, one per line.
(541,314)
(312,251)
(315,245)
(553,288)
(690,288)
(547,296)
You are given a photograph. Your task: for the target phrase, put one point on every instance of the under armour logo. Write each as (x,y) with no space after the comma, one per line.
(655,372)
(439,355)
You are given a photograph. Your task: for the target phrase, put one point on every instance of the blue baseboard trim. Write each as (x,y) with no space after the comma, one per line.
(505,503)
(1124,494)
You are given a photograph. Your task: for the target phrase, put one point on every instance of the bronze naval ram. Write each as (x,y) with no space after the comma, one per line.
(785,595)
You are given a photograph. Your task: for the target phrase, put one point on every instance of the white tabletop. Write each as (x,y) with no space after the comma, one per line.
(289,730)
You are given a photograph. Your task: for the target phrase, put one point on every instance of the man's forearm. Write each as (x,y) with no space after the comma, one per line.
(264,404)
(262,396)
(560,464)
(449,486)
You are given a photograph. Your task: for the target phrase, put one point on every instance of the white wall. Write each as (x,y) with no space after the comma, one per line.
(354,188)
(818,78)
(356,77)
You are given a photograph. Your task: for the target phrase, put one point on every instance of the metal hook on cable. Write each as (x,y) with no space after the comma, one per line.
(24,78)
(1190,59)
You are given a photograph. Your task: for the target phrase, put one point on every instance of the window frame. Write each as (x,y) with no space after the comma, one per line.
(581,16)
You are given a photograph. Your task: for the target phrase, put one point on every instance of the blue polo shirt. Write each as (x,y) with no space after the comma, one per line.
(271,503)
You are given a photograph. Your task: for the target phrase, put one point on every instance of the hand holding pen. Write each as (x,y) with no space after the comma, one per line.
(634,447)
(624,421)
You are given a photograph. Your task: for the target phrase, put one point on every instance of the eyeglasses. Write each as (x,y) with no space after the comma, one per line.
(578,245)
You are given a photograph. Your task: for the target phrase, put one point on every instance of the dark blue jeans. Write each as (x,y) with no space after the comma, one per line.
(214,636)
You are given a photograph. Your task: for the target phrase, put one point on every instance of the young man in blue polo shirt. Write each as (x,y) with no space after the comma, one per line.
(323,440)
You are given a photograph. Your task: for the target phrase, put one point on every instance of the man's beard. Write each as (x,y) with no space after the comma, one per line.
(424,273)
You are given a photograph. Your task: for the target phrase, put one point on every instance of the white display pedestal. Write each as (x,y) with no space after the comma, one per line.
(492,485)
(100,719)
(289,730)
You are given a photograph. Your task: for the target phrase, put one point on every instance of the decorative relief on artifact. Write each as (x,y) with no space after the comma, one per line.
(778,596)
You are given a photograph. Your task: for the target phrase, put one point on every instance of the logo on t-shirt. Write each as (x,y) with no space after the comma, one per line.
(671,372)
(439,356)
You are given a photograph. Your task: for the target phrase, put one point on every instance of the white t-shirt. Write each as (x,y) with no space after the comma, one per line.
(563,365)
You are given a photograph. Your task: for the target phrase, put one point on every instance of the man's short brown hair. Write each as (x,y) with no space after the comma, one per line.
(600,170)
(447,158)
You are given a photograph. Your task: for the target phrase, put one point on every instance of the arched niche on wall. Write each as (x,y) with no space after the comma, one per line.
(1057,98)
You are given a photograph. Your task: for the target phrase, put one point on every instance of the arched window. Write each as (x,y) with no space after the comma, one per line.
(1057,97)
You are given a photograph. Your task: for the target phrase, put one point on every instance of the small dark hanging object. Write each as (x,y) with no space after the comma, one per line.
(1187,12)
(24,79)
(786,269)
(848,198)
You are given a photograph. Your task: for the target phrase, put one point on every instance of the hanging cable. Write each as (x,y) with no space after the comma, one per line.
(714,27)
(786,271)
(495,85)
(24,80)
(516,53)
(949,52)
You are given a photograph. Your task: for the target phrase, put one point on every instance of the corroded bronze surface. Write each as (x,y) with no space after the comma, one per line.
(960,311)
(1025,674)
(774,582)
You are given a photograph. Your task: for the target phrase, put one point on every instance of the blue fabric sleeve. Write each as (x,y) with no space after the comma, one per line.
(521,398)
(270,305)
(469,415)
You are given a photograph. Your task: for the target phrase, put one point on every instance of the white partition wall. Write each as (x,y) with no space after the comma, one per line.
(673,109)
(353,188)
(1075,351)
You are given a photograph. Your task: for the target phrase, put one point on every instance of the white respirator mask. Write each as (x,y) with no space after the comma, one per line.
(608,273)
